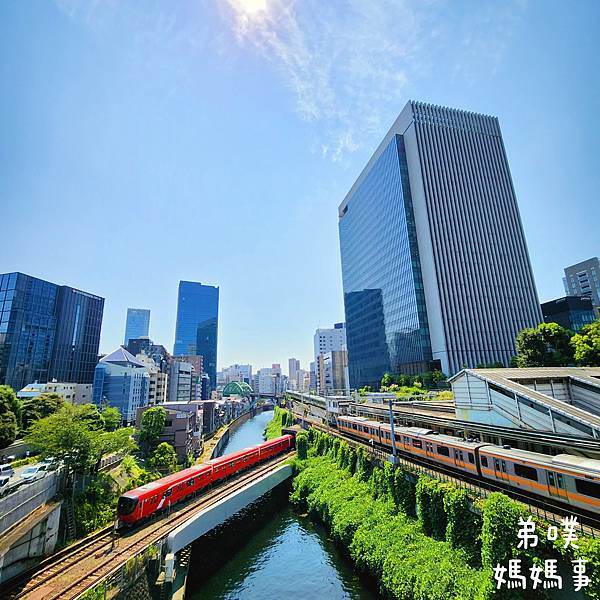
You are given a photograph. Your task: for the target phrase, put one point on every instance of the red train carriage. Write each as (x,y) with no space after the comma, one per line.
(142,502)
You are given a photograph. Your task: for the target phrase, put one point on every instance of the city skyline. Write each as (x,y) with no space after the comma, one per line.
(252,202)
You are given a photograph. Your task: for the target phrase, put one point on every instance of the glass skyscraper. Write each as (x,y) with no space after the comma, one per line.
(435,267)
(47,331)
(137,324)
(197,324)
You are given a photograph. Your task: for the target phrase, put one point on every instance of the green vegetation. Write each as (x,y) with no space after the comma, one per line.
(419,537)
(164,459)
(547,345)
(282,418)
(38,407)
(8,419)
(71,435)
(359,508)
(420,386)
(586,345)
(153,422)
(111,418)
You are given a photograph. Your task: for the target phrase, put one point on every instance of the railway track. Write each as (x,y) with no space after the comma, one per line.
(71,572)
(589,523)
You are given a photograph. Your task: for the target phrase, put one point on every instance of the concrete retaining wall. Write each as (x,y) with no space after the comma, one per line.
(234,425)
(18,505)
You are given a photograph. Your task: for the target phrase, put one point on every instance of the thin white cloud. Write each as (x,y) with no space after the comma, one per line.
(351,65)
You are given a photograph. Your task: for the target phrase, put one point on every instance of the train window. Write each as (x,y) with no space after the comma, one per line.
(190,482)
(588,488)
(484,461)
(167,493)
(551,479)
(417,443)
(406,440)
(471,458)
(526,472)
(504,466)
(443,450)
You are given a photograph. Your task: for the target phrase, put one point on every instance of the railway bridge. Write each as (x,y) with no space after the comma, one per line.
(153,553)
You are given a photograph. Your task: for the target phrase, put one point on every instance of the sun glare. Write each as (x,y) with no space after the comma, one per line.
(252,7)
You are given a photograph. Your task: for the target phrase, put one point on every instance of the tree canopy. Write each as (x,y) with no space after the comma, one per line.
(69,435)
(111,417)
(547,345)
(586,345)
(39,407)
(164,458)
(8,419)
(153,422)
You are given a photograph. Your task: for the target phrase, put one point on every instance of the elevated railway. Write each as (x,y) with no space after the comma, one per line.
(589,524)
(69,574)
(441,416)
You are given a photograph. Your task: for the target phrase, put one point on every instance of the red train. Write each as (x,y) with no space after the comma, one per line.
(144,501)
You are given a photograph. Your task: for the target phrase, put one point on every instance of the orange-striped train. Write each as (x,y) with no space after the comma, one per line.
(564,478)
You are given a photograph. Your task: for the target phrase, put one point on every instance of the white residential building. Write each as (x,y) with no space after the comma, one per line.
(75,393)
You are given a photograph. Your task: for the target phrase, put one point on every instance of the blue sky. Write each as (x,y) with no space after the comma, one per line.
(145,142)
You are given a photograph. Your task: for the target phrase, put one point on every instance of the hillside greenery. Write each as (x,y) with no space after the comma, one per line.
(281,418)
(419,537)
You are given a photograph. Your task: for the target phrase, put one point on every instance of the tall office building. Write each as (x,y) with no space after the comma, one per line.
(47,332)
(583,279)
(197,324)
(293,368)
(435,266)
(137,324)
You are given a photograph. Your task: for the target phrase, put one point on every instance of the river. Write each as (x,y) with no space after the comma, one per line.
(269,551)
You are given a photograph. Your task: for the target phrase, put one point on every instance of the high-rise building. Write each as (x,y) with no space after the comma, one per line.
(572,312)
(47,331)
(137,324)
(293,368)
(197,324)
(583,279)
(328,340)
(332,373)
(235,373)
(121,381)
(435,266)
(181,382)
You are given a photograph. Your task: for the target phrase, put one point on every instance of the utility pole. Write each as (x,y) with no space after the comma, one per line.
(392,431)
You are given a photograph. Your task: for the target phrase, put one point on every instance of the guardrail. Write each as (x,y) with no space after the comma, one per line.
(19,504)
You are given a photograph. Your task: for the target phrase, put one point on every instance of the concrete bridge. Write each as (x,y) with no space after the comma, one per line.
(174,572)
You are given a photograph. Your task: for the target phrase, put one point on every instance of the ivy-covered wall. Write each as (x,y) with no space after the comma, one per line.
(420,537)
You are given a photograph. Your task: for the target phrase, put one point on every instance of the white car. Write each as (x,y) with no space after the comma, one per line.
(34,472)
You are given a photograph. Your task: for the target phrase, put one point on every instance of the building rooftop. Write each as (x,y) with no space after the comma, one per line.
(537,384)
(121,357)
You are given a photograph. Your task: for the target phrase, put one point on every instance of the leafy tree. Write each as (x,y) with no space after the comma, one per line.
(90,415)
(8,420)
(164,458)
(66,435)
(586,345)
(153,422)
(111,418)
(8,394)
(39,407)
(547,345)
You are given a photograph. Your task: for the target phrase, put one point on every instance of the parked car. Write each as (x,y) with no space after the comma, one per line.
(7,486)
(34,472)
(6,470)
